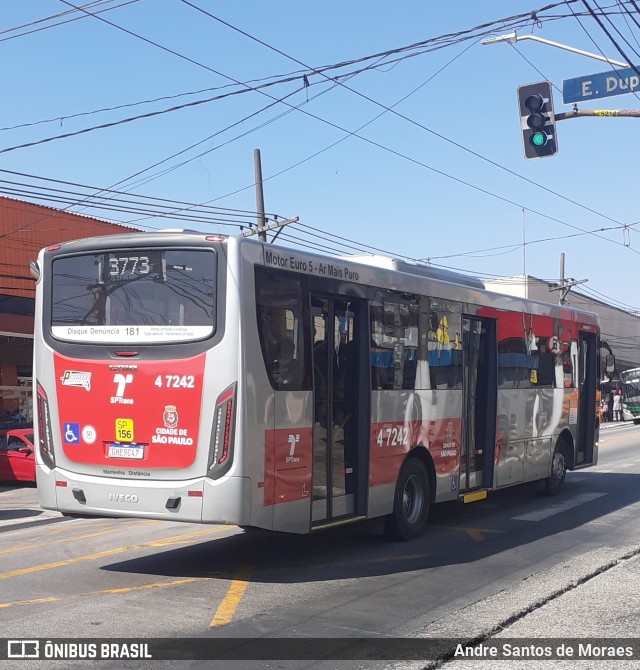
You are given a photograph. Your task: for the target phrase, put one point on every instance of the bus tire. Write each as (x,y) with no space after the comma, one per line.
(411,501)
(555,481)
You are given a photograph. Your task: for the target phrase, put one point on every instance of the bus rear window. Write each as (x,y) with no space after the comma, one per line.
(134,295)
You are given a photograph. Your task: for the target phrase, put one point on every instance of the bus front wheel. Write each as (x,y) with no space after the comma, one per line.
(411,502)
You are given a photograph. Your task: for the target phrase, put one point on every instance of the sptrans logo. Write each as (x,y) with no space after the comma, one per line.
(121,381)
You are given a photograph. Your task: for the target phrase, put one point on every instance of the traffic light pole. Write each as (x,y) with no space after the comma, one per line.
(575,113)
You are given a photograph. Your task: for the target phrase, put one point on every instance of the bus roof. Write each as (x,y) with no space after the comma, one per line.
(389,263)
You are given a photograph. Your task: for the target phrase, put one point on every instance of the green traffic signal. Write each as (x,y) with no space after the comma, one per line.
(538,139)
(537,120)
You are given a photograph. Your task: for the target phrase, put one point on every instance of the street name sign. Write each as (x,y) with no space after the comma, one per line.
(601,85)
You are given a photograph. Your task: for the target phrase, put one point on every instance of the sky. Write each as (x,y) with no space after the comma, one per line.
(411,148)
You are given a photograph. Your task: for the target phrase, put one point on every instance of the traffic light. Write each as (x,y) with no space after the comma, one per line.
(537,120)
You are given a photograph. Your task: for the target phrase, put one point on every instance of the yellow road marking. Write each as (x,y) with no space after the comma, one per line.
(98,522)
(112,552)
(227,608)
(30,602)
(473,533)
(142,587)
(24,547)
(126,589)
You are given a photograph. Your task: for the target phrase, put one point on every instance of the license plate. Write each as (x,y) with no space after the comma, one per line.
(125,451)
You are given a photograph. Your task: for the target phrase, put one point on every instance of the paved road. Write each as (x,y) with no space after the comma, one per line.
(19,508)
(514,566)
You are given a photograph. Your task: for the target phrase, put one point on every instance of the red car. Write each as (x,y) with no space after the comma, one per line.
(17,462)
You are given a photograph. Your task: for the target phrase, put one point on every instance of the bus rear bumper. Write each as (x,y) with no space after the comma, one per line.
(198,500)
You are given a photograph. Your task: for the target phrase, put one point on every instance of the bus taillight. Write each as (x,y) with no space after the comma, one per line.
(223,424)
(45,437)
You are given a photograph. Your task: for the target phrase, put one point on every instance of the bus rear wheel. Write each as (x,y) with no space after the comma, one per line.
(411,503)
(554,482)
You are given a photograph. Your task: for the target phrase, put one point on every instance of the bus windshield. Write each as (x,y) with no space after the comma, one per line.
(134,295)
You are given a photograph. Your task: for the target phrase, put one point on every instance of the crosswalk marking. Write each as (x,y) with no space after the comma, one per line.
(557,508)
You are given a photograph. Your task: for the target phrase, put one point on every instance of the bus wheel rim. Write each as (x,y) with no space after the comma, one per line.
(559,467)
(412,499)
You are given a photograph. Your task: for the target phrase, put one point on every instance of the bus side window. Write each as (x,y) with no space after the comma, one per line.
(280,329)
(394,341)
(567,371)
(546,363)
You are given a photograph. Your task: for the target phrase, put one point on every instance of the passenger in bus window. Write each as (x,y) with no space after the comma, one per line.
(567,370)
(545,366)
(286,369)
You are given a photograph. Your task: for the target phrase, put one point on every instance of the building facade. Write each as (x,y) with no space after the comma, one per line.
(25,228)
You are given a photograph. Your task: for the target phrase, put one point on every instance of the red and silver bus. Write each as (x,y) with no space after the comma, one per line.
(202,378)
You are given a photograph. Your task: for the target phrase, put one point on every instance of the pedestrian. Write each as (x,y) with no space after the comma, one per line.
(604,409)
(617,406)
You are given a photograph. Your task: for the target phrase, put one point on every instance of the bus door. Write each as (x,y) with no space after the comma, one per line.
(587,384)
(341,409)
(479,401)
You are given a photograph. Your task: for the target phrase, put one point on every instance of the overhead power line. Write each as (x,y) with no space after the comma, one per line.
(304,111)
(68,13)
(413,122)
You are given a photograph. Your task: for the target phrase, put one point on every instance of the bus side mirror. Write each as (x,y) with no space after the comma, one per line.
(610,364)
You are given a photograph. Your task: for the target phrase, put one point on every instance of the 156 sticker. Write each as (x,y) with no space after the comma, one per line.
(124,430)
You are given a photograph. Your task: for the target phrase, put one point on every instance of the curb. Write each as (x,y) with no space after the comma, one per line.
(490,616)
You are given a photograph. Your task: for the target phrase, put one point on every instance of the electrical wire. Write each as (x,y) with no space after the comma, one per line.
(585,232)
(304,111)
(59,15)
(611,38)
(402,116)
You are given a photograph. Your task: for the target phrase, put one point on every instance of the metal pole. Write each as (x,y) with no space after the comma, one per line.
(257,167)
(513,37)
(561,293)
(524,256)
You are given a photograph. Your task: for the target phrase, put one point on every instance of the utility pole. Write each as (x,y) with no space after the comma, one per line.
(564,286)
(257,167)
(561,295)
(524,256)
(262,229)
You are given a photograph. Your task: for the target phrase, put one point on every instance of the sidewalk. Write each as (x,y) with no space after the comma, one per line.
(598,607)
(607,425)
(19,508)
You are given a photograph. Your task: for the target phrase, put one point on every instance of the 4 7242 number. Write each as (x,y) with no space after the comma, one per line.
(393,436)
(175,381)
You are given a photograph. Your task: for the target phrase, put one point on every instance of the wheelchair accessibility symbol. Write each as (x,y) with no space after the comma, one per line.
(71,433)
